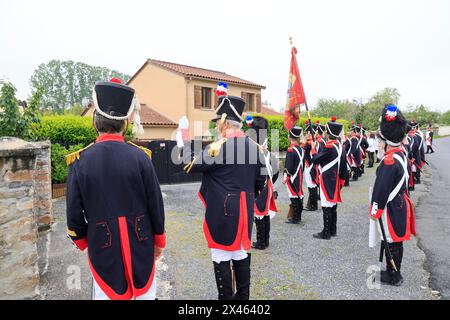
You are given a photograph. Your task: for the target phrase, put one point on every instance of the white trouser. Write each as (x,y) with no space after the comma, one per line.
(414,168)
(99,294)
(219,256)
(308,179)
(324,202)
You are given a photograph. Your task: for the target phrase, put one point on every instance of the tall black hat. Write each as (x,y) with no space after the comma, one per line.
(334,128)
(258,128)
(320,128)
(113,100)
(295,132)
(392,126)
(311,128)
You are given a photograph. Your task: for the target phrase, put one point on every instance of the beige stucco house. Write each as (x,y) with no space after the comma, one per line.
(167,91)
(175,90)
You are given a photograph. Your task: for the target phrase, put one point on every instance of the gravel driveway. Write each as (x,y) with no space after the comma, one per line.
(295,266)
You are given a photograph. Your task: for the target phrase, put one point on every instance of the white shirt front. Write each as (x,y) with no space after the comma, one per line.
(372,145)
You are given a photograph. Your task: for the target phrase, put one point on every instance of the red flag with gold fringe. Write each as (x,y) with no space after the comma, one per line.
(295,94)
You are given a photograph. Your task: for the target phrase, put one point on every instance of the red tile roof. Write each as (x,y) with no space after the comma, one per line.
(267,110)
(151,117)
(188,71)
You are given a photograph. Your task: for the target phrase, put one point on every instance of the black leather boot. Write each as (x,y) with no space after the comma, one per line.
(333,227)
(354,174)
(314,199)
(259,244)
(390,276)
(347,181)
(242,275)
(299,209)
(222,272)
(325,233)
(295,208)
(267,230)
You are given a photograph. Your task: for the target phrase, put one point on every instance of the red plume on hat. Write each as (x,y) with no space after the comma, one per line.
(306,122)
(317,122)
(116,80)
(333,118)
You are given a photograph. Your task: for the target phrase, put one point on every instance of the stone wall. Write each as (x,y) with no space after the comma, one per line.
(25,206)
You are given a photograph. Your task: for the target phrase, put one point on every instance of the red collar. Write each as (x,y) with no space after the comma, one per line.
(395,150)
(294,144)
(332,142)
(320,138)
(110,137)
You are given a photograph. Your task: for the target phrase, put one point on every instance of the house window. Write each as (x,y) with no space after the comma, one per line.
(249,101)
(206,98)
(202,98)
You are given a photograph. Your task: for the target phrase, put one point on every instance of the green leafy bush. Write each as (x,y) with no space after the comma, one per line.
(67,133)
(277,123)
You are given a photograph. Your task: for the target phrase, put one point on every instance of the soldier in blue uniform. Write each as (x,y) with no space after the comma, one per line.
(293,174)
(333,172)
(233,175)
(390,199)
(114,203)
(265,205)
(311,171)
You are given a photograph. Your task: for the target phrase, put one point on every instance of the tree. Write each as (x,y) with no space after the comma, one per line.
(66,83)
(445,118)
(423,115)
(10,124)
(13,121)
(370,112)
(344,109)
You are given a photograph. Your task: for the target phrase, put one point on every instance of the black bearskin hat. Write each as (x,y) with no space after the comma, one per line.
(393,125)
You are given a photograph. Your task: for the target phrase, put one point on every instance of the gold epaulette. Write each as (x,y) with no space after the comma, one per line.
(71,157)
(147,151)
(214,148)
(189,166)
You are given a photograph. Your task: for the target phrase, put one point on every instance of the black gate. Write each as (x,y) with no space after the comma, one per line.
(167,171)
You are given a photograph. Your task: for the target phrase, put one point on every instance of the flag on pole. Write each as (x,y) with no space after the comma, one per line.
(295,94)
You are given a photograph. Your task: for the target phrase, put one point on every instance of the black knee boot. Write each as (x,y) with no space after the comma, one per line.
(354,174)
(242,275)
(222,272)
(325,233)
(267,230)
(347,181)
(314,199)
(333,227)
(295,208)
(299,209)
(260,234)
(390,276)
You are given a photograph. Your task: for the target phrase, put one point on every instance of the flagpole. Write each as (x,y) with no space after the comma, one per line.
(306,103)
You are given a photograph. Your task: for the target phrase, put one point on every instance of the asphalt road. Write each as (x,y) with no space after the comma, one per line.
(433,219)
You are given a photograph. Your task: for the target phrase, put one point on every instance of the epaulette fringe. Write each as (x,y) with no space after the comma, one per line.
(147,151)
(71,157)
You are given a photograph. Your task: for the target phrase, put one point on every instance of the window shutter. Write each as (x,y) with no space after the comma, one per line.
(197,97)
(216,100)
(244,96)
(258,103)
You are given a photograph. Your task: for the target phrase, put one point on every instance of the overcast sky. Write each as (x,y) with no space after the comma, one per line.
(346,49)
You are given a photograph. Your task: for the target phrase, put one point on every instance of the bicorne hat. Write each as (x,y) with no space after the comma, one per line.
(113,100)
(392,126)
(229,107)
(334,128)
